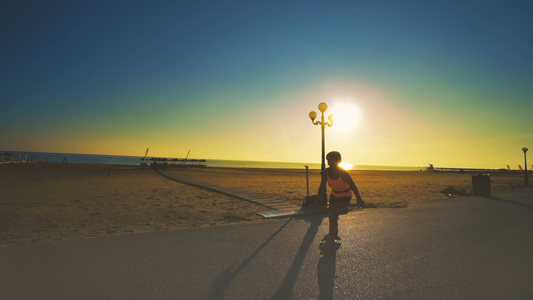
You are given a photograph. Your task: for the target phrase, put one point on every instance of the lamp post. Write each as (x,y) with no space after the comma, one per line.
(525,163)
(312,115)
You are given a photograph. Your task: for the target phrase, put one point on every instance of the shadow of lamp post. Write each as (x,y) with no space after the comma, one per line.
(525,163)
(322,107)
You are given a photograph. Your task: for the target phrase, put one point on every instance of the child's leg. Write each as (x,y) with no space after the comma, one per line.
(334,215)
(333,224)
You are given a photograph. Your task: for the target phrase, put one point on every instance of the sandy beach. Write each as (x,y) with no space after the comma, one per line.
(45,202)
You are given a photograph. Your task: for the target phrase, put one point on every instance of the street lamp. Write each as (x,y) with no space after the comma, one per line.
(312,115)
(525,163)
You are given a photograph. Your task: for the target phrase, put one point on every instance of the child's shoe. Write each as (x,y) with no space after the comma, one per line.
(331,237)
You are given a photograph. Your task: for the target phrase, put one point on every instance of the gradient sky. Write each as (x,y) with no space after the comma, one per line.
(442,82)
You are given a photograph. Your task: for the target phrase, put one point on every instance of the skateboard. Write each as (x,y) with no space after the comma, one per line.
(328,246)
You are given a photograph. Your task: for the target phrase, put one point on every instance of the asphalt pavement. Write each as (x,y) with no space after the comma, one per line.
(456,248)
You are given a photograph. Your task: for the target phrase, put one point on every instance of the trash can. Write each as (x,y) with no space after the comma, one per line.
(481,185)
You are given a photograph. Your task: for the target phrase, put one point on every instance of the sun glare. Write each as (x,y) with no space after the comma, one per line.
(346,166)
(346,116)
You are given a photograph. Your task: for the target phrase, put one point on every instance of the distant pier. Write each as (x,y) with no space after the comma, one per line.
(431,168)
(162,163)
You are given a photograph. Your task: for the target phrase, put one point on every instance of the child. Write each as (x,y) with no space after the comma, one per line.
(342,186)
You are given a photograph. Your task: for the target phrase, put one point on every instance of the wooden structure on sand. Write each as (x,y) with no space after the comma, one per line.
(6,158)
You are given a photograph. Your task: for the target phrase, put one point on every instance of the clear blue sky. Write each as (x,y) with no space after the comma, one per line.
(442,82)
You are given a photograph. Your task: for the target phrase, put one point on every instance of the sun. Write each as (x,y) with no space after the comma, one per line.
(347,116)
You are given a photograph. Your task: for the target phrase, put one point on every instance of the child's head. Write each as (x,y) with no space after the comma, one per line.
(334,158)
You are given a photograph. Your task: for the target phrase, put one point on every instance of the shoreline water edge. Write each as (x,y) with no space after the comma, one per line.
(213,163)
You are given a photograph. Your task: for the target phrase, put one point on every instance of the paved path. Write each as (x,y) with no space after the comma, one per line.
(275,204)
(462,248)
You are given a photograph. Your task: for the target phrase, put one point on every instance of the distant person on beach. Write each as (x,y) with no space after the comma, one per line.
(342,186)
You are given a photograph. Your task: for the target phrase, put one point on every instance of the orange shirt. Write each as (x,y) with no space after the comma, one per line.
(339,188)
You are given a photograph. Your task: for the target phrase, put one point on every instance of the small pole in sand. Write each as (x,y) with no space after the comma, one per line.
(307,178)
(186,157)
(144,159)
(525,164)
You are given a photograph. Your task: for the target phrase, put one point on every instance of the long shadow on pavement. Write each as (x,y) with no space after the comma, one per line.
(286,288)
(327,268)
(219,288)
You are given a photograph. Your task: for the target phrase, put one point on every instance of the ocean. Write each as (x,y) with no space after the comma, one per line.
(214,163)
